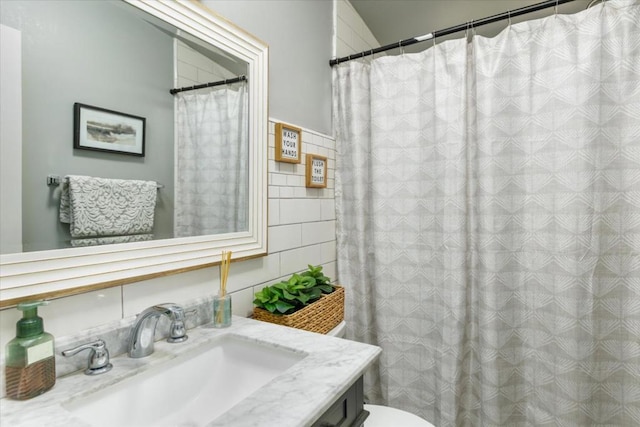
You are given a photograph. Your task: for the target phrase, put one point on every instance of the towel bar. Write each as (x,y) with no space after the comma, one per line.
(55,180)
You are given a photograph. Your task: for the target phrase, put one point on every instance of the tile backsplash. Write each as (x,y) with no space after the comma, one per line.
(301,231)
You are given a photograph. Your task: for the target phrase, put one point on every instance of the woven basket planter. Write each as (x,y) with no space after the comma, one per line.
(320,316)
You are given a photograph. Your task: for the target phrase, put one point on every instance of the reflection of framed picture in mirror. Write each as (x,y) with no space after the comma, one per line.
(288,143)
(316,171)
(99,129)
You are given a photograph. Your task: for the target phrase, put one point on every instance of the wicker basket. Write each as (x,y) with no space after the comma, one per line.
(320,316)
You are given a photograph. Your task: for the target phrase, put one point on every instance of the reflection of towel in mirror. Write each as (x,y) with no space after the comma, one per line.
(109,240)
(95,207)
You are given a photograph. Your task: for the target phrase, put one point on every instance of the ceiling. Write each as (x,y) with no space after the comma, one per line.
(393,20)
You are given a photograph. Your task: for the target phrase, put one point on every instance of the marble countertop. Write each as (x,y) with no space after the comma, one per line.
(296,398)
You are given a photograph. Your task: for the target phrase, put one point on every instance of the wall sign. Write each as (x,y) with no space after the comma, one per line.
(288,143)
(316,171)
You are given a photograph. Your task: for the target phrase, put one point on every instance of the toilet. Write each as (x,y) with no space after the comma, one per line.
(384,416)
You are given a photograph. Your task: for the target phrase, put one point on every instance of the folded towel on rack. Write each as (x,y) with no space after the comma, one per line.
(96,207)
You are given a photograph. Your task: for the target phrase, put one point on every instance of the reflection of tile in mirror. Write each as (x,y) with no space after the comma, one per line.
(197,65)
(195,68)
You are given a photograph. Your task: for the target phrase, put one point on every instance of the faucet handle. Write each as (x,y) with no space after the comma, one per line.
(177,329)
(98,358)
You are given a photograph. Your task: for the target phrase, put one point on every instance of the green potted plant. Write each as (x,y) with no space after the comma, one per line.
(306,300)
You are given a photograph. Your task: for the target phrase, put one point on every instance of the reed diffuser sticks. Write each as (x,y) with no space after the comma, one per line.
(225,262)
(222,303)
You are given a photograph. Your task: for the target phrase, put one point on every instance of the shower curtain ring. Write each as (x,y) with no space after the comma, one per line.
(509,25)
(556,8)
(471,27)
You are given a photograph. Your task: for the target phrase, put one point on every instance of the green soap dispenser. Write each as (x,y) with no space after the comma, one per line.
(30,365)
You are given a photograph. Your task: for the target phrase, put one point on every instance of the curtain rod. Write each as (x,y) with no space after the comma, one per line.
(210,84)
(454,29)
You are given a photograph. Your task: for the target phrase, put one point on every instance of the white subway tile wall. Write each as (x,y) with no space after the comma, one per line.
(352,34)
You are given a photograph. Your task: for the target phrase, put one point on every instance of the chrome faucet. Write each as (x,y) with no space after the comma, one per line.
(144,329)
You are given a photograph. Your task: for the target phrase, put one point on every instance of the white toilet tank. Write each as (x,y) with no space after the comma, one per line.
(384,416)
(339,330)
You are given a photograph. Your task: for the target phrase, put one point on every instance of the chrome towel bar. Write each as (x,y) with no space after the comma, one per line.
(55,180)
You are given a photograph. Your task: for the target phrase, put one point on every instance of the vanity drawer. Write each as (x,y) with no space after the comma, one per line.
(348,409)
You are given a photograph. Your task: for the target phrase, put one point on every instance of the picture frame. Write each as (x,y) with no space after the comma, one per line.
(288,143)
(316,171)
(99,129)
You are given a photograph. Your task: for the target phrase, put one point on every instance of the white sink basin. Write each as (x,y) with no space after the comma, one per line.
(190,390)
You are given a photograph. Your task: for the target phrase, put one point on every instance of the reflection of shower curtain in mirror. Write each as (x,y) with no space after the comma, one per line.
(212,162)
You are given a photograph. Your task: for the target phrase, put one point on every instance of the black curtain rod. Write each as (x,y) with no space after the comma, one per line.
(451,30)
(211,84)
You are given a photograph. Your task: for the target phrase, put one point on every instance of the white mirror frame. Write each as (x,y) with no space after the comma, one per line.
(63,272)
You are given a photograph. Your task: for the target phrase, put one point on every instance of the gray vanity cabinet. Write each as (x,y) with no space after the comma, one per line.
(348,409)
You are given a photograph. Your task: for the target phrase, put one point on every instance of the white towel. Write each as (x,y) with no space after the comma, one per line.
(95,207)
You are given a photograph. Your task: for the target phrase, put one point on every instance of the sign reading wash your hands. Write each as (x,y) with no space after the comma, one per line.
(288,143)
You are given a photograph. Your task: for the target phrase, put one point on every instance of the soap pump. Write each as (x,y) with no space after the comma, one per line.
(30,366)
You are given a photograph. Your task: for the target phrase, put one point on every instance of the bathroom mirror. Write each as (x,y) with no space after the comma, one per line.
(197,31)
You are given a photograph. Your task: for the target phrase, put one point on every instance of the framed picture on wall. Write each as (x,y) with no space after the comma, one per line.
(99,129)
(288,143)
(316,171)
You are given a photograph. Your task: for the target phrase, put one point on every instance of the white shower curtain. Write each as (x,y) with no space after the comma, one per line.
(212,162)
(488,205)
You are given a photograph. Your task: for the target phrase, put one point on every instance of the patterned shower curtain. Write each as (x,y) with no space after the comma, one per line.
(488,199)
(212,155)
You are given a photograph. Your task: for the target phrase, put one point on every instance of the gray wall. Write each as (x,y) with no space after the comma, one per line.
(299,34)
(94,53)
